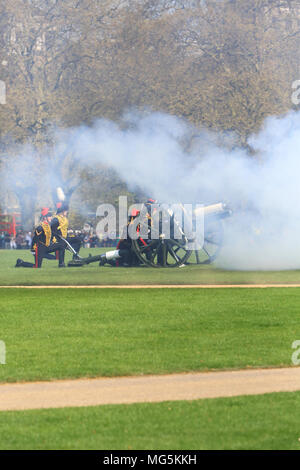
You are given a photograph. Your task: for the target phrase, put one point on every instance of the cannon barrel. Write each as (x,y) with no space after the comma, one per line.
(218,210)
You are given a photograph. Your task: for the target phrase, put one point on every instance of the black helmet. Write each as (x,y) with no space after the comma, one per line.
(62,208)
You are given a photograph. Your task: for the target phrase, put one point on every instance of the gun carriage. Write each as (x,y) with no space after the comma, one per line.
(173,251)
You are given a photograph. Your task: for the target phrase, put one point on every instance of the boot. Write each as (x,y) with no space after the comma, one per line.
(23,264)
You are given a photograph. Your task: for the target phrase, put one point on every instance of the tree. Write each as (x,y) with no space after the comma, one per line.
(222,65)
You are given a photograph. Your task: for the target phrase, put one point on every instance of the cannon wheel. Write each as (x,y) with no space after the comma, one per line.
(213,240)
(167,253)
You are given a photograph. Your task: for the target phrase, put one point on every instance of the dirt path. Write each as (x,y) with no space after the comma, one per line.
(151,388)
(158,286)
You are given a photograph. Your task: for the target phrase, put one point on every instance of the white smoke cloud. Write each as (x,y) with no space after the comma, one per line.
(148,152)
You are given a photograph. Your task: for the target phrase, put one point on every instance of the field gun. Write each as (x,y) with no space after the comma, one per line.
(175,250)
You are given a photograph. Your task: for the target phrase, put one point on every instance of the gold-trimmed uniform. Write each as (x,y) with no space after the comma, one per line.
(59,226)
(41,246)
(42,234)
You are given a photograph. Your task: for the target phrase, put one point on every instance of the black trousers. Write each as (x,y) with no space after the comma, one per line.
(41,251)
(75,242)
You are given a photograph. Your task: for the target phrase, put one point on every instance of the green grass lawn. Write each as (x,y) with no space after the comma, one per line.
(92,274)
(69,333)
(256,422)
(110,332)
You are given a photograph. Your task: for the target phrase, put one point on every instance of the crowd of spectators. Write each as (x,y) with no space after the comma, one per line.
(90,240)
(22,240)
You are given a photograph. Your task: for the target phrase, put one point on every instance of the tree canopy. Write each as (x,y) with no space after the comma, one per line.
(224,65)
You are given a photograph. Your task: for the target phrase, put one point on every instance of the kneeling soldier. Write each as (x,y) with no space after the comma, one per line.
(41,243)
(59,227)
